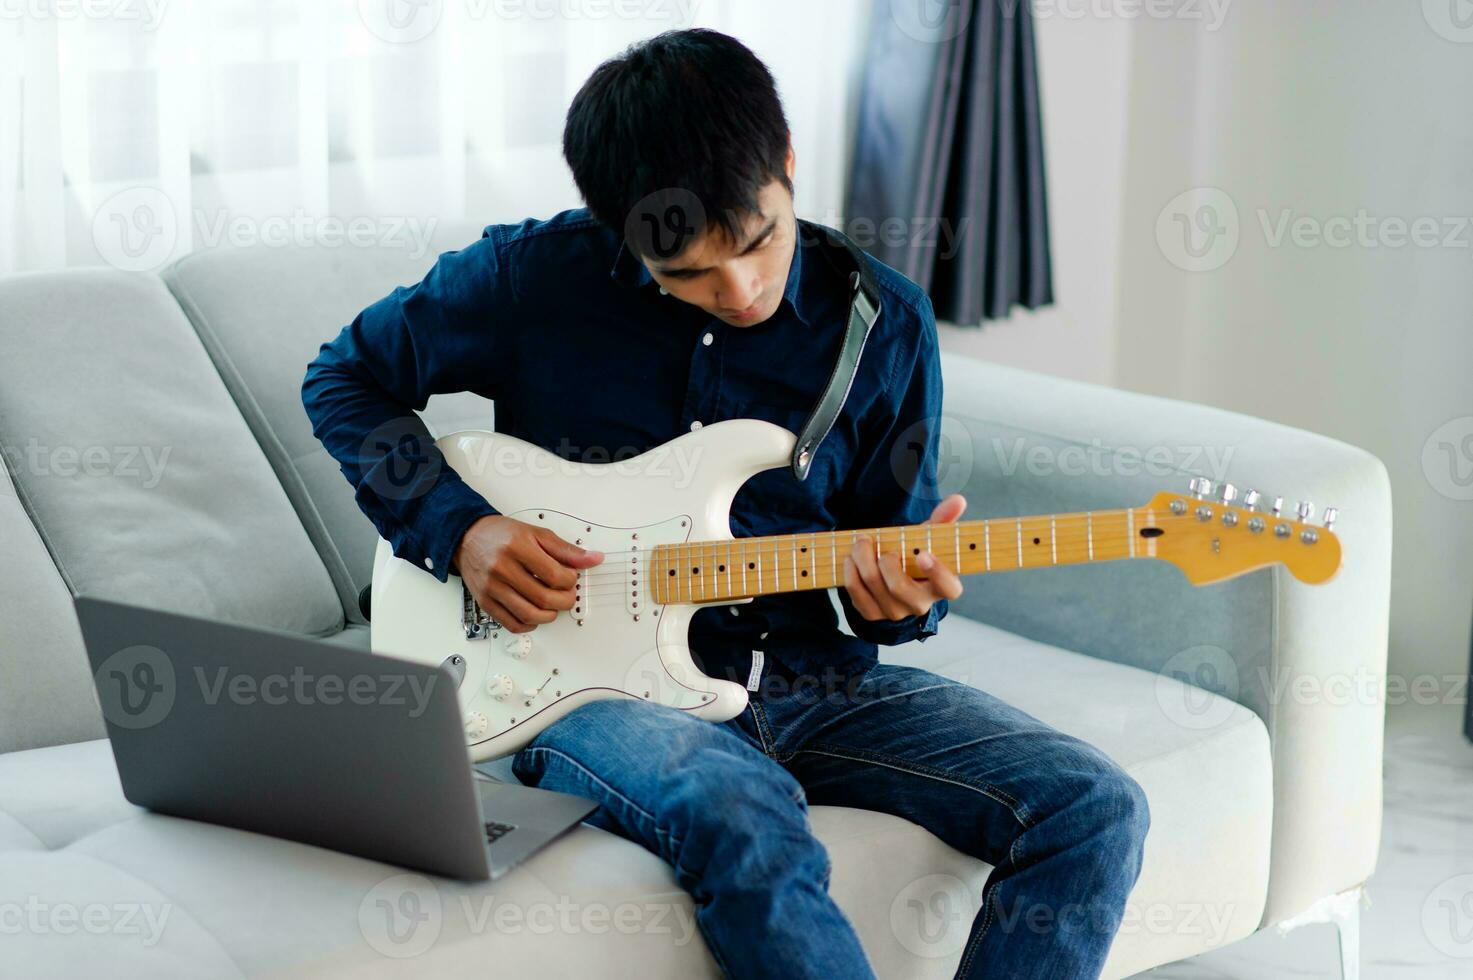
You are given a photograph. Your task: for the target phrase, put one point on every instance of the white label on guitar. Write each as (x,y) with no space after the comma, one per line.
(754,678)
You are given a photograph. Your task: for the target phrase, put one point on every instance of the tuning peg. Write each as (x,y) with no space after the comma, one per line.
(1250,500)
(1199,487)
(1229,493)
(1331,514)
(1305,510)
(1278,506)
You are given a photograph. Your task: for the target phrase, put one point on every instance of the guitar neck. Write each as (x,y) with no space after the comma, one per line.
(707,571)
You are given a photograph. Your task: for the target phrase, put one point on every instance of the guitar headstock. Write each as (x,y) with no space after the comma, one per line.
(1216,536)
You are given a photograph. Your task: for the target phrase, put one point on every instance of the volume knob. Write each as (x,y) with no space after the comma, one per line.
(476,726)
(500,687)
(519,645)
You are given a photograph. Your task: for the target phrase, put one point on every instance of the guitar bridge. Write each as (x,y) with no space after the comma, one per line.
(478,623)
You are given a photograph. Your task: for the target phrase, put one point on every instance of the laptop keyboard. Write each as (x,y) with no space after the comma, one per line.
(495,831)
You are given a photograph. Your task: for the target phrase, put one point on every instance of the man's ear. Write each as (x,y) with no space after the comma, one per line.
(790,163)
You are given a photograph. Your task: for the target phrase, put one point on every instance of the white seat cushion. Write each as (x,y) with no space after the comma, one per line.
(114,890)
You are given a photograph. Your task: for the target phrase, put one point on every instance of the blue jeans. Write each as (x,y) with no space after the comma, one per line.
(726,806)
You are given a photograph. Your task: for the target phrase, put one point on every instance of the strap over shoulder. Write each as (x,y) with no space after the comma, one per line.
(864,310)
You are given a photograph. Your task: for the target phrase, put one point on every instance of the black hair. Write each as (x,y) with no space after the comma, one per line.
(678,132)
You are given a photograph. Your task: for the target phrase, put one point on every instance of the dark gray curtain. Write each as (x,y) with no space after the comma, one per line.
(947,182)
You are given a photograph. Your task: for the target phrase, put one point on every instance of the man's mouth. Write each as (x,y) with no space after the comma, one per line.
(750,313)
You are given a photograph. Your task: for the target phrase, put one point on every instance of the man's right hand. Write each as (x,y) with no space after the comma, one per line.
(520,573)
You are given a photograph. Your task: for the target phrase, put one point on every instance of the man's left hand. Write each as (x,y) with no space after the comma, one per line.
(882,589)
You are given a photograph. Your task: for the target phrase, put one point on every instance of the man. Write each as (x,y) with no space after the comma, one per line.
(686,293)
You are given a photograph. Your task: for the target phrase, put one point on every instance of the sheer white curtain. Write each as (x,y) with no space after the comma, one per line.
(135,131)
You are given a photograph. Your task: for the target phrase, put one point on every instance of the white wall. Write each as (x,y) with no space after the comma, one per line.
(1289,109)
(1312,117)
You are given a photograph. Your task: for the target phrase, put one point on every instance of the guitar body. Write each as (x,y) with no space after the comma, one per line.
(617,643)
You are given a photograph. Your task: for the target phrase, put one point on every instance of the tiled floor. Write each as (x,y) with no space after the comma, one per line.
(1419,925)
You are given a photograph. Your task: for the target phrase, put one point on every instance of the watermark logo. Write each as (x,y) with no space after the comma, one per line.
(931,21)
(954,457)
(136,229)
(146,13)
(1198,230)
(1451,19)
(400,21)
(400,459)
(932,916)
(144,464)
(136,687)
(1447,917)
(401,916)
(37,917)
(1187,683)
(1447,458)
(665,222)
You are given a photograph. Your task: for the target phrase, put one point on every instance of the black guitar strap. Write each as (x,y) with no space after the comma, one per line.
(864,310)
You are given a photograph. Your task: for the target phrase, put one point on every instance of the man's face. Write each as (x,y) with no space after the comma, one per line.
(739,282)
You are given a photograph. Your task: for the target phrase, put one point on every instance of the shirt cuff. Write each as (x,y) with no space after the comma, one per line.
(893,632)
(441,521)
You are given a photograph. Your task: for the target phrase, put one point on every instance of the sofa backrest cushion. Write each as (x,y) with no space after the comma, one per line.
(135,467)
(46,693)
(262,314)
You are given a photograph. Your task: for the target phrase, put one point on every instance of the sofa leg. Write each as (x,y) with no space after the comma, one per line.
(1348,925)
(1343,912)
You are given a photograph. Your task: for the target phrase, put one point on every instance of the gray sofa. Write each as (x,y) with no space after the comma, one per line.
(156,451)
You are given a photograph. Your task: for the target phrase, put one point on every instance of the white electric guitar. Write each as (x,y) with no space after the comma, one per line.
(662,521)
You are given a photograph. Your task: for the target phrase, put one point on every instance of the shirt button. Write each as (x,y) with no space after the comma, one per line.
(707,340)
(430,564)
(695,425)
(735,611)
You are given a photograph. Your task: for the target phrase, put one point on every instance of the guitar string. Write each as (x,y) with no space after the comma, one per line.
(708,583)
(1106,533)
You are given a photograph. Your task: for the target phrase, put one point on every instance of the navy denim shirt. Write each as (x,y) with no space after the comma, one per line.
(565,329)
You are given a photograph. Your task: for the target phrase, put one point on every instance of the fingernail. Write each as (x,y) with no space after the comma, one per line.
(925,560)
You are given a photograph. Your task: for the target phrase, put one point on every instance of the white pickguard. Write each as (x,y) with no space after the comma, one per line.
(618,643)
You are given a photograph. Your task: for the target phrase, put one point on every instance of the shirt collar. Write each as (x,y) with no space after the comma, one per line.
(628,270)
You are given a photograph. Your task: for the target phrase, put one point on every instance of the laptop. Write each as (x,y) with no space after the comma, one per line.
(306,740)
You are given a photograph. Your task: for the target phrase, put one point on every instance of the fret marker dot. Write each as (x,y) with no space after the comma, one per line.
(1035,541)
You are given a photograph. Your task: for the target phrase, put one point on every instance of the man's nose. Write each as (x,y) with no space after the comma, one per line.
(738,290)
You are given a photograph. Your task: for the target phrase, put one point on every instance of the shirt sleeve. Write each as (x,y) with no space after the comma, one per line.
(894,477)
(364,390)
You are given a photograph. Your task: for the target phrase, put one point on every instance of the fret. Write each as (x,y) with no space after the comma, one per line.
(987,543)
(1019,522)
(929,546)
(1089,531)
(759,565)
(957,542)
(902,551)
(744,566)
(729,592)
(1053,540)
(708,568)
(1130,530)
(833,558)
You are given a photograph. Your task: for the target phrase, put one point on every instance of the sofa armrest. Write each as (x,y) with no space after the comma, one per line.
(1310,661)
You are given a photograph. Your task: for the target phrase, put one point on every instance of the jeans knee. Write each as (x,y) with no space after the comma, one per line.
(1123,806)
